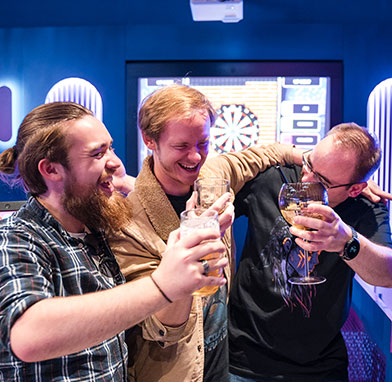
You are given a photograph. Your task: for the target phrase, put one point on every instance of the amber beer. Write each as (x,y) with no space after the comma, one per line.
(294,199)
(192,220)
(294,209)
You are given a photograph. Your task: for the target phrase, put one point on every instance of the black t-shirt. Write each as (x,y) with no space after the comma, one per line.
(216,353)
(179,202)
(276,329)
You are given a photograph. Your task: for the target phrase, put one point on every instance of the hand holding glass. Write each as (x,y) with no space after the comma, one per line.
(209,190)
(293,200)
(192,220)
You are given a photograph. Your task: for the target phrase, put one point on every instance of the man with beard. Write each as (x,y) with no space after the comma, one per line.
(63,301)
(187,341)
(284,332)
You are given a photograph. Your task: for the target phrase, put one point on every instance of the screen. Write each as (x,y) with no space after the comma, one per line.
(256,102)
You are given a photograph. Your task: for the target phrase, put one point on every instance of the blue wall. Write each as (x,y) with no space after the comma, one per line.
(34,58)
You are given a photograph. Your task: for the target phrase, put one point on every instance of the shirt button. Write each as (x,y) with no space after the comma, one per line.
(199,348)
(160,343)
(161,333)
(80,245)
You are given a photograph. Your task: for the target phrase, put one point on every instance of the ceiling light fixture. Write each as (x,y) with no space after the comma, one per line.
(227,11)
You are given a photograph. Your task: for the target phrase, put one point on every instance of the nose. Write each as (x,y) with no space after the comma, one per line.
(308,176)
(194,155)
(113,162)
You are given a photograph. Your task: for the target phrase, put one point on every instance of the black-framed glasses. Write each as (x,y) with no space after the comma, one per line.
(107,263)
(307,166)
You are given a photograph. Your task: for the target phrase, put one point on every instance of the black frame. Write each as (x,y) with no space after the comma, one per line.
(183,68)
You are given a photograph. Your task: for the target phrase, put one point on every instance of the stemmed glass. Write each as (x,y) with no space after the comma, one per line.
(293,200)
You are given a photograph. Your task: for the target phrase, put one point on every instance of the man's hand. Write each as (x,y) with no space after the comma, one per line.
(330,234)
(180,272)
(374,193)
(123,182)
(222,205)
(225,209)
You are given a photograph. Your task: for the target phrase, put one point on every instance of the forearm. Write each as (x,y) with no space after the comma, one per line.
(58,326)
(243,166)
(284,154)
(373,263)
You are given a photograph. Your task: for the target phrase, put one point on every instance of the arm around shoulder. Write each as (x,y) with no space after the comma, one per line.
(240,167)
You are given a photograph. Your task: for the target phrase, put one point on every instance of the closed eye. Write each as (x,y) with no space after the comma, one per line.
(101,151)
(98,154)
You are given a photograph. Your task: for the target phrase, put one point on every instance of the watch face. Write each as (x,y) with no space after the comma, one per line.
(352,249)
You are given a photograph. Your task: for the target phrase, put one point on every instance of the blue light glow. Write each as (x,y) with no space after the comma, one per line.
(79,91)
(16,116)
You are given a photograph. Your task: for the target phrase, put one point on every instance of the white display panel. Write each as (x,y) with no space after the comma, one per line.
(256,110)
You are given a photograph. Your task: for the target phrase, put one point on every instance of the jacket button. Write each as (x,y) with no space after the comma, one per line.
(161,333)
(160,343)
(199,348)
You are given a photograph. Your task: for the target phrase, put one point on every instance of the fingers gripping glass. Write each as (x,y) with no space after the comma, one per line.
(307,166)
(293,200)
(107,264)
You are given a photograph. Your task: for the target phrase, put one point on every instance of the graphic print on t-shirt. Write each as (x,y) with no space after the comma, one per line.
(286,259)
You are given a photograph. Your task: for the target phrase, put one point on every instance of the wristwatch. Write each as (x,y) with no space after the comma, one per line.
(352,247)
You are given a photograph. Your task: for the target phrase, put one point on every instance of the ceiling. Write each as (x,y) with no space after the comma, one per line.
(33,13)
(30,13)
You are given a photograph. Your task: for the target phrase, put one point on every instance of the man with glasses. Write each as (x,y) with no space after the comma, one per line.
(284,332)
(308,168)
(63,301)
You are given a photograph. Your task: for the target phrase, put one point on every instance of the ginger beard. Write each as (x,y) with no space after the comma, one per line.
(96,210)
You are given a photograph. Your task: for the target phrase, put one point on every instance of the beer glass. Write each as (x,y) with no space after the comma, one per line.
(209,190)
(192,220)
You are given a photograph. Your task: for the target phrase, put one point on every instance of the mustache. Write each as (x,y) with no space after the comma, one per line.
(106,174)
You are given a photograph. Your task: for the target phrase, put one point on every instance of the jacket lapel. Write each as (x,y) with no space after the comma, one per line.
(155,202)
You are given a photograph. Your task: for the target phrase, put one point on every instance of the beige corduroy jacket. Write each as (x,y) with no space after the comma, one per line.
(158,352)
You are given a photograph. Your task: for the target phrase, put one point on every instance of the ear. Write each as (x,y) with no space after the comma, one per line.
(356,189)
(51,171)
(149,142)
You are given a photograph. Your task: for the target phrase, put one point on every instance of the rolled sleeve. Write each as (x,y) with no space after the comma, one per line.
(24,279)
(154,330)
(11,315)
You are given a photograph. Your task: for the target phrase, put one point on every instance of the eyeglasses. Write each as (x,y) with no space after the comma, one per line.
(107,265)
(307,166)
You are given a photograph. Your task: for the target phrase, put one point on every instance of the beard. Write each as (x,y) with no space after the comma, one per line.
(95,209)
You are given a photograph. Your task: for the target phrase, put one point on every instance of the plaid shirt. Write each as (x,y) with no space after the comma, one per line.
(38,260)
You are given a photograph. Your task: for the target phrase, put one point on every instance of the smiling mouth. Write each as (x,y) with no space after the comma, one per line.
(189,168)
(107,186)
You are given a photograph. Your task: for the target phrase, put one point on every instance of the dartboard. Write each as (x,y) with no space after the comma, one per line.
(235,129)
